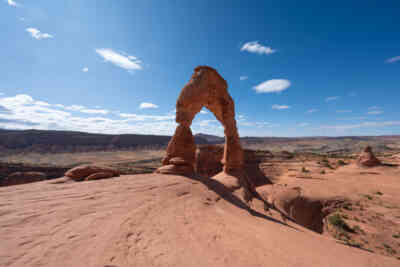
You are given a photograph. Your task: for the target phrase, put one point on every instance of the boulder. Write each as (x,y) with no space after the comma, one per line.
(99,175)
(81,172)
(368,159)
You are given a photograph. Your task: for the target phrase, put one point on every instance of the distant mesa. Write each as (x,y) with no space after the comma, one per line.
(17,178)
(368,159)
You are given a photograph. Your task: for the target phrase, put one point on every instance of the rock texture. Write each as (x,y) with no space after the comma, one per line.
(91,172)
(152,220)
(368,159)
(206,88)
(23,178)
(209,158)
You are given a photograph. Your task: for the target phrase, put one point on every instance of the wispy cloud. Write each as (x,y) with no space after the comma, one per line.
(375,112)
(203,111)
(256,47)
(393,59)
(280,107)
(344,111)
(85,69)
(362,125)
(352,118)
(242,78)
(35,33)
(145,105)
(331,98)
(352,94)
(374,108)
(311,110)
(83,109)
(304,124)
(272,86)
(12,3)
(121,60)
(24,112)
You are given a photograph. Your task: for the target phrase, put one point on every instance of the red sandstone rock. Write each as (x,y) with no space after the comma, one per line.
(206,88)
(81,172)
(99,175)
(368,159)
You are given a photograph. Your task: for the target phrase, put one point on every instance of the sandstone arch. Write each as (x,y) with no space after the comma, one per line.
(206,88)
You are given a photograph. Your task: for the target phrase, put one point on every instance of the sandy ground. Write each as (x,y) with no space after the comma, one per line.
(154,220)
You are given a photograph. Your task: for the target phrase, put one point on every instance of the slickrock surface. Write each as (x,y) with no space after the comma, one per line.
(155,220)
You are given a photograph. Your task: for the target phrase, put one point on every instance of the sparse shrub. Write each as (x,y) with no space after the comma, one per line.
(347,206)
(396,236)
(369,197)
(358,229)
(304,170)
(379,193)
(337,221)
(389,249)
(323,172)
(341,162)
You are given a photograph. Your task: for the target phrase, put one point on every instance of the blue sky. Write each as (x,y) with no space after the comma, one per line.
(294,68)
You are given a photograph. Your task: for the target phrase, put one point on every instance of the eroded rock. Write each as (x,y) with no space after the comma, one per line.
(81,172)
(206,88)
(368,159)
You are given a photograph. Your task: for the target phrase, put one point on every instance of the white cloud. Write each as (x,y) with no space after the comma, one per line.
(13,3)
(255,47)
(242,78)
(331,98)
(203,111)
(83,109)
(393,59)
(35,33)
(85,69)
(311,110)
(304,124)
(280,107)
(272,86)
(1,93)
(137,117)
(42,103)
(373,108)
(344,111)
(147,105)
(352,118)
(24,112)
(129,63)
(375,112)
(362,125)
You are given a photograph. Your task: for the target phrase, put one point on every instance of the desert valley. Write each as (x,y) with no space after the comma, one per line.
(199,133)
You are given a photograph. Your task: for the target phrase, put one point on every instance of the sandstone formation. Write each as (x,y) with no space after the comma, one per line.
(91,172)
(209,157)
(206,88)
(23,178)
(294,204)
(368,159)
